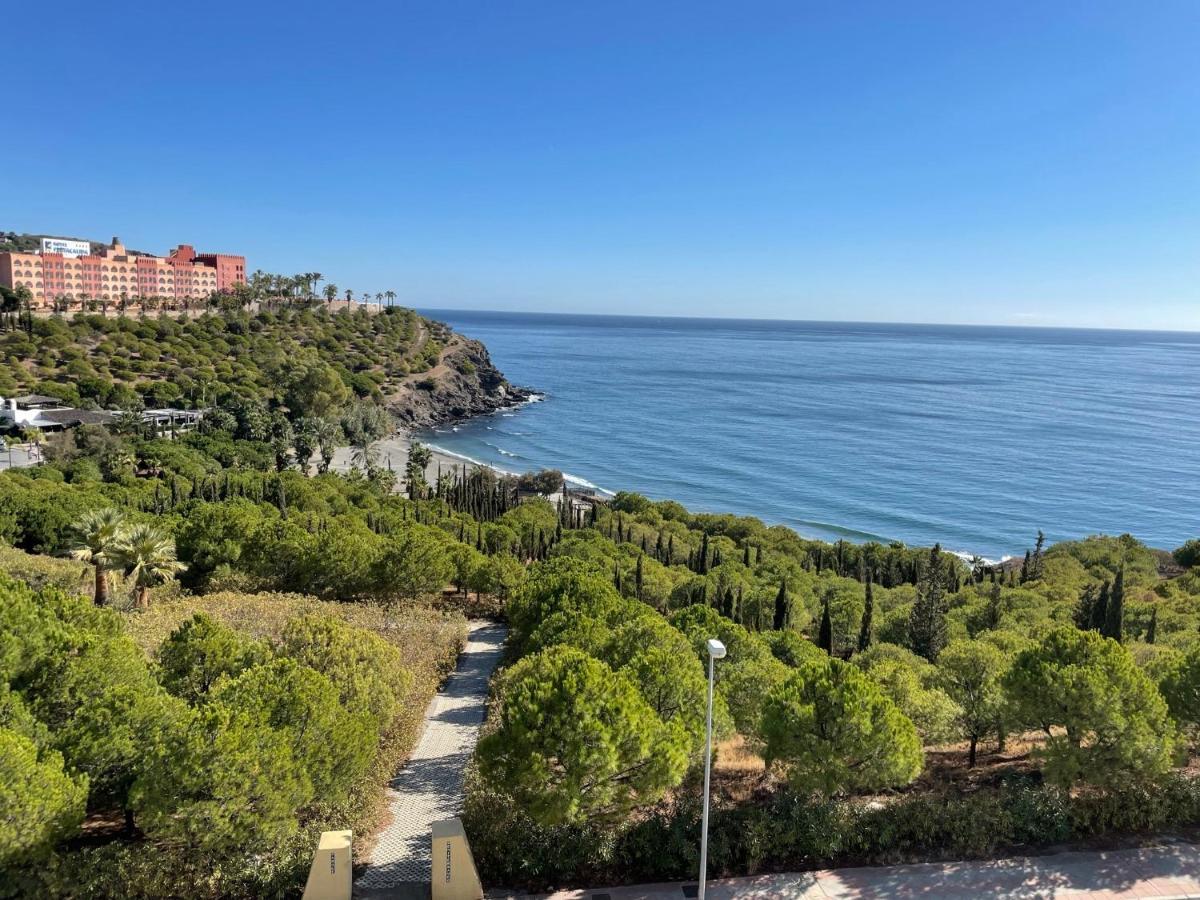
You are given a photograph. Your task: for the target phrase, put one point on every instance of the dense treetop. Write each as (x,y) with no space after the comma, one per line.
(288,356)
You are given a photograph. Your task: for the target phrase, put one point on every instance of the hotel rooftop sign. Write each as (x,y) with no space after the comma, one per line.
(65,247)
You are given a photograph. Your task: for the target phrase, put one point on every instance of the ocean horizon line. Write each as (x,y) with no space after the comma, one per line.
(434,311)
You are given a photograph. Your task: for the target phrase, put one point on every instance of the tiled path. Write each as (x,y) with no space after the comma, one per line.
(1162,871)
(430,786)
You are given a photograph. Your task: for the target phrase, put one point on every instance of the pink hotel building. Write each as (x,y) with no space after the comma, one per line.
(113,274)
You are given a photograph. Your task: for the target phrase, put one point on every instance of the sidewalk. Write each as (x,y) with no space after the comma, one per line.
(429,787)
(1166,870)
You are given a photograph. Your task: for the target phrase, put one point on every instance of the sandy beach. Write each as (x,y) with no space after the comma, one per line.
(392,452)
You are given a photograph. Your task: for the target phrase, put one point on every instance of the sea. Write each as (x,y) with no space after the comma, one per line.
(974,437)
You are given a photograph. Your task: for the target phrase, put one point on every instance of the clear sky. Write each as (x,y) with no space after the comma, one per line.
(1011,163)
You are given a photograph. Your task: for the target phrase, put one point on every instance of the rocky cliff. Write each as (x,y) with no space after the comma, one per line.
(464,383)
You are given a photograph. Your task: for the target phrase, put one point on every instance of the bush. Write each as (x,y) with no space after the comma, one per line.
(794,833)
(1189,554)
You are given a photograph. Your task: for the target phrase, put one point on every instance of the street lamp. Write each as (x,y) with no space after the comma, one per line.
(716,650)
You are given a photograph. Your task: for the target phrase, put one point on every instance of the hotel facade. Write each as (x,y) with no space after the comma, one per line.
(68,274)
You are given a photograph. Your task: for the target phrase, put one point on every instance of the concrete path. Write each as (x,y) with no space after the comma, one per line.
(1167,870)
(430,785)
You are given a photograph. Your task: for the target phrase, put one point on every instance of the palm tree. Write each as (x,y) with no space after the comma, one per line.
(391,297)
(96,538)
(328,433)
(316,278)
(363,456)
(349,296)
(34,437)
(147,554)
(331,292)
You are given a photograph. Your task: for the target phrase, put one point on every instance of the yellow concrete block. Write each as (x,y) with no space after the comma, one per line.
(330,875)
(454,875)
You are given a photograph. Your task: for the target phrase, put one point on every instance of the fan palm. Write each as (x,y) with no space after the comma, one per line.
(147,554)
(96,537)
(363,456)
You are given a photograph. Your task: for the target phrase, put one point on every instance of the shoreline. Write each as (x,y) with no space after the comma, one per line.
(396,447)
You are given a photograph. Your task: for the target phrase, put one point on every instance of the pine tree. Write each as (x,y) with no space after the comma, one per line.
(1152,628)
(782,606)
(825,635)
(866,630)
(1114,616)
(927,630)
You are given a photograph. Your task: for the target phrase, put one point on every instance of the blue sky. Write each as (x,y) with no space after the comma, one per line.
(1012,163)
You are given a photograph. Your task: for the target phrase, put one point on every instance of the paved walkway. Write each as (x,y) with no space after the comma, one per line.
(430,786)
(1162,871)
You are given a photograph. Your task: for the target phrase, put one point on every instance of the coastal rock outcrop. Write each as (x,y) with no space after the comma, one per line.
(464,383)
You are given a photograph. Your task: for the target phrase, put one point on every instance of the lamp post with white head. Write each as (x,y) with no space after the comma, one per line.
(716,650)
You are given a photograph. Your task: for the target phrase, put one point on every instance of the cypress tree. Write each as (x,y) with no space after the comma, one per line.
(1035,571)
(927,630)
(746,555)
(866,630)
(825,635)
(782,606)
(1025,568)
(1100,609)
(671,550)
(638,577)
(1083,610)
(617,577)
(702,559)
(1152,628)
(1114,616)
(739,611)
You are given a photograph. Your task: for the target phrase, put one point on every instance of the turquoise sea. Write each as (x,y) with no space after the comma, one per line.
(972,436)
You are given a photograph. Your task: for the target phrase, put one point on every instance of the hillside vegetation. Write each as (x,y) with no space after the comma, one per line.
(299,358)
(886,702)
